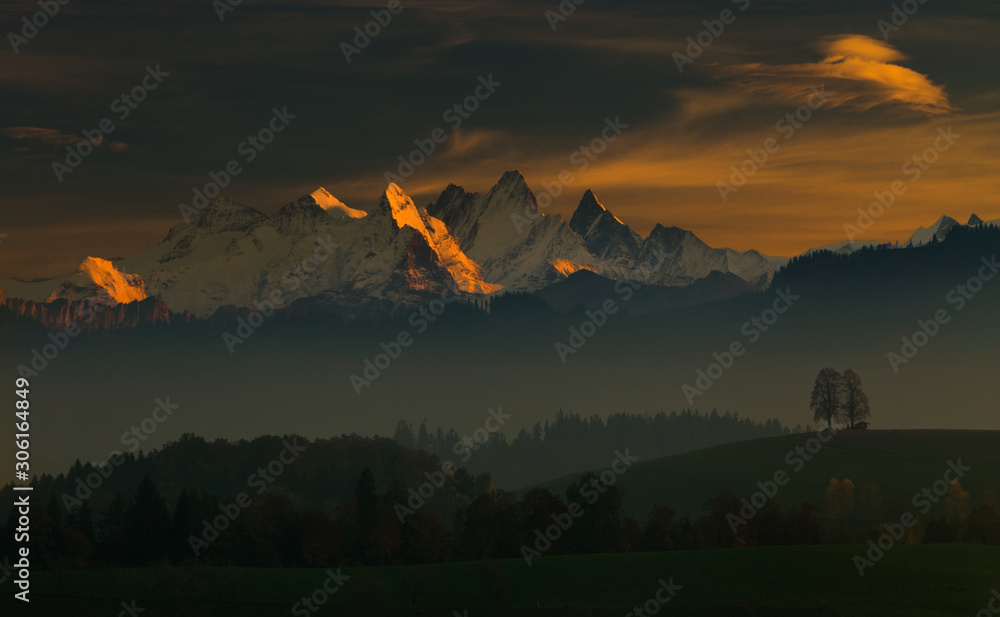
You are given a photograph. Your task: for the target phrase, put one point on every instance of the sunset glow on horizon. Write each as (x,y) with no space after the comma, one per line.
(688,133)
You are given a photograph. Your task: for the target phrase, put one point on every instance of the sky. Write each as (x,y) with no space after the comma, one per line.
(556,81)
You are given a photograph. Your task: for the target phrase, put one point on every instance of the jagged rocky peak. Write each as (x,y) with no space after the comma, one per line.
(939,230)
(510,179)
(451,196)
(589,210)
(452,205)
(512,193)
(477,242)
(298,217)
(430,246)
(464,212)
(397,205)
(975,220)
(670,235)
(604,233)
(946,222)
(223,214)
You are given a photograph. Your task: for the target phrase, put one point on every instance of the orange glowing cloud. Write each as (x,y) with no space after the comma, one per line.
(41,138)
(39,134)
(858,46)
(858,72)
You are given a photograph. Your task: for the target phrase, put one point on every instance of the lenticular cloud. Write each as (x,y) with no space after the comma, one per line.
(859,73)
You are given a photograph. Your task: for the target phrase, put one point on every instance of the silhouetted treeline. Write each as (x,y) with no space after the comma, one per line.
(131,500)
(381,528)
(408,508)
(888,268)
(571,443)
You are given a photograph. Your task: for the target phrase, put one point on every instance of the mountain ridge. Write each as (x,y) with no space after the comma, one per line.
(395,252)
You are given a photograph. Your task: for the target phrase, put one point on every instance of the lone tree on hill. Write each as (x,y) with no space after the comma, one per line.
(855,407)
(826,396)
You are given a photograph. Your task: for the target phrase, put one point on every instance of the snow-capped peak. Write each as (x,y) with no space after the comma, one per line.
(605,235)
(845,248)
(99,279)
(589,210)
(324,199)
(513,192)
(430,232)
(223,214)
(394,253)
(402,208)
(938,230)
(921,236)
(510,178)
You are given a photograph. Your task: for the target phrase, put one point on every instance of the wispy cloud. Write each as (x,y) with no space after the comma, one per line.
(40,138)
(39,135)
(859,72)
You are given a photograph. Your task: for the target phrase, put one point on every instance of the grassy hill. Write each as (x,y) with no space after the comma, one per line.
(901,462)
(912,580)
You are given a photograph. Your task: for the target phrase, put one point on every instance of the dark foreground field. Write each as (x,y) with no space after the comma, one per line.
(911,580)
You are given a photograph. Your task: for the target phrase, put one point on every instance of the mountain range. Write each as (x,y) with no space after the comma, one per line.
(318,252)
(939,230)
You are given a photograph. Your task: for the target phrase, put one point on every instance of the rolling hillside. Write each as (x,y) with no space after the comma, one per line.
(901,462)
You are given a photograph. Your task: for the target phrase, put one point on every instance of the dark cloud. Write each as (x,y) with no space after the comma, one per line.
(354,119)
